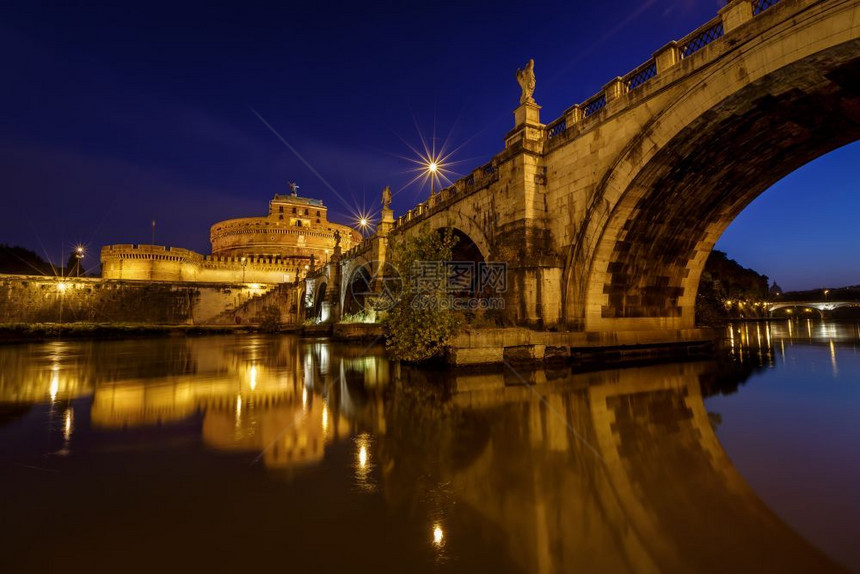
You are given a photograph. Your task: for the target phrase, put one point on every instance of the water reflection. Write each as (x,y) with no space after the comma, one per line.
(254,395)
(611,471)
(745,340)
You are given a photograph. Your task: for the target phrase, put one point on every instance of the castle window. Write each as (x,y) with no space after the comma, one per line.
(280,217)
(307,211)
(318,219)
(318,212)
(281,209)
(294,210)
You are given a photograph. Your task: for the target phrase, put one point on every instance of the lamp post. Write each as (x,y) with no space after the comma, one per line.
(432,168)
(79,256)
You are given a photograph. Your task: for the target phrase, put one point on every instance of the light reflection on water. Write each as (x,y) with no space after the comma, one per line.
(344,460)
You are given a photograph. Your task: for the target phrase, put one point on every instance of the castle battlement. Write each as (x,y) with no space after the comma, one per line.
(276,248)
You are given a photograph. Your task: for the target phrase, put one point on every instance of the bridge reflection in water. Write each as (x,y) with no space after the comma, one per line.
(612,471)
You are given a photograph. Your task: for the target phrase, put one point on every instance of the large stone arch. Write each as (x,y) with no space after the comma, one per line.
(769,104)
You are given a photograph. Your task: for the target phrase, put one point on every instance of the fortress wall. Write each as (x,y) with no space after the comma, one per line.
(215,304)
(282,297)
(266,236)
(32,299)
(157,263)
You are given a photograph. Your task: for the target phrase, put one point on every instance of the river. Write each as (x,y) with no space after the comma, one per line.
(256,453)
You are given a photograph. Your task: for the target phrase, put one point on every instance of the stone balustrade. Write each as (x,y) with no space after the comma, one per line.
(733,15)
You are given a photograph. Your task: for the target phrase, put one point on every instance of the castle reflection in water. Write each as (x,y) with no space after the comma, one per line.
(600,471)
(255,395)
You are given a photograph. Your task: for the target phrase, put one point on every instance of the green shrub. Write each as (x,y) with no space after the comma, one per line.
(416,328)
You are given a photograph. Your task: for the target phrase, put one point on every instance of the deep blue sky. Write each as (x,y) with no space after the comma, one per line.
(112,116)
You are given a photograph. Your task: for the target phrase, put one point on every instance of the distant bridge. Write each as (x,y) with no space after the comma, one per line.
(606,215)
(820,306)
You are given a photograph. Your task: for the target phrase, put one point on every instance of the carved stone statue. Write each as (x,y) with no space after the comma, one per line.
(294,188)
(526,79)
(337,238)
(386,197)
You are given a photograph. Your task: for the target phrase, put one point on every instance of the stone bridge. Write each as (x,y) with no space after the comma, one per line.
(605,216)
(820,306)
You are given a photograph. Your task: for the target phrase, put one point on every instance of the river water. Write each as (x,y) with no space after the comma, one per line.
(259,453)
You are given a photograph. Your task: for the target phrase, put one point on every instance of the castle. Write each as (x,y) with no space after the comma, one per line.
(277,248)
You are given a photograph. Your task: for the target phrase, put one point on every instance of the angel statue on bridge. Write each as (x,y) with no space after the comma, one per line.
(526,79)
(386,197)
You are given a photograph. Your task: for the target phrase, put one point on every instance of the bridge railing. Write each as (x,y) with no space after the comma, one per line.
(730,17)
(478,179)
(701,37)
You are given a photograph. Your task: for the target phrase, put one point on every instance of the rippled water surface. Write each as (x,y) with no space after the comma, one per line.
(263,453)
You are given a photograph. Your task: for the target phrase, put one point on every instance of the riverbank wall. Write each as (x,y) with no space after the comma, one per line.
(41,299)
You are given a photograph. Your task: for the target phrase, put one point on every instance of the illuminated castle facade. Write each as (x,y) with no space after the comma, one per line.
(276,248)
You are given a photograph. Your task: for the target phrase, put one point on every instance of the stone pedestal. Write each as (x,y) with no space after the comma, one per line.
(527,126)
(527,114)
(386,223)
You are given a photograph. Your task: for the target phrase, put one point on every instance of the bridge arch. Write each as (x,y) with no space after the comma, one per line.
(465,225)
(319,299)
(755,114)
(356,279)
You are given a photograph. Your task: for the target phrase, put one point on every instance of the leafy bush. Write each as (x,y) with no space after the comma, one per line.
(416,328)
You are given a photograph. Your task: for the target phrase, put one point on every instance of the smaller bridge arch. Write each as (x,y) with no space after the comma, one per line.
(465,225)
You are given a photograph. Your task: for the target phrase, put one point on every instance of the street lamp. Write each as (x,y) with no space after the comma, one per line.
(432,168)
(826,293)
(79,255)
(363,224)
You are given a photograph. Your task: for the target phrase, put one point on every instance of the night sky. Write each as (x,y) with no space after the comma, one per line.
(115,116)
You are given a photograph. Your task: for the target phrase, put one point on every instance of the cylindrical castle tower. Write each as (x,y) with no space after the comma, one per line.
(295,228)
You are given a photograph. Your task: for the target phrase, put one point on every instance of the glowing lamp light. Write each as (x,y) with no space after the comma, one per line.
(438,535)
(61,287)
(362,457)
(432,167)
(363,222)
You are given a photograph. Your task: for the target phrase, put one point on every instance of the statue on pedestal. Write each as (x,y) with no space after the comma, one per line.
(336,238)
(386,197)
(526,79)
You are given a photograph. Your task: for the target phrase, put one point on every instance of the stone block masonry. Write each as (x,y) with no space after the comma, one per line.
(32,299)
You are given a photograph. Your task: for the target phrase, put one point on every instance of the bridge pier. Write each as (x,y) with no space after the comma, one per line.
(522,345)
